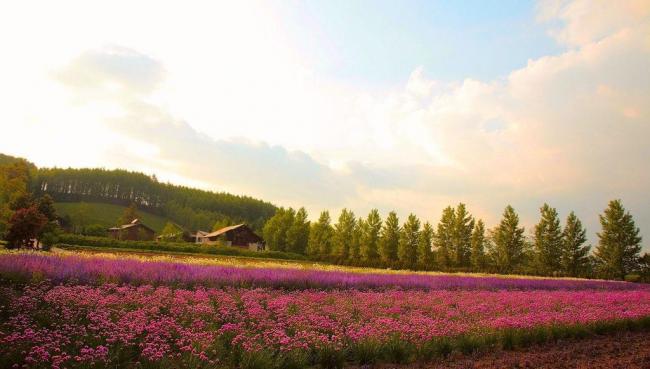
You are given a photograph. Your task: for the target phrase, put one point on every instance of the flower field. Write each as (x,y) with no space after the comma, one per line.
(74,311)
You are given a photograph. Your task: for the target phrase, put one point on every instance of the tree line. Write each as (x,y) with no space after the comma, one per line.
(191,208)
(460,242)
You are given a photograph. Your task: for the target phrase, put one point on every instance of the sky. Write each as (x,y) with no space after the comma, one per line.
(397,105)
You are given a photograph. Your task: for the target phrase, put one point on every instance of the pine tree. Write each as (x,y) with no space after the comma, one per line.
(575,256)
(389,239)
(508,241)
(344,234)
(298,233)
(461,237)
(619,244)
(443,240)
(407,246)
(478,260)
(320,236)
(547,241)
(370,232)
(425,254)
(355,246)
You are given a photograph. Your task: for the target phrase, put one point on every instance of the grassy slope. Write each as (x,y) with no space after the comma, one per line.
(108,214)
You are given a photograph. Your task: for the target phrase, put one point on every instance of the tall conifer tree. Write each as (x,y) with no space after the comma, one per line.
(389,239)
(370,236)
(443,240)
(408,242)
(547,241)
(461,236)
(508,241)
(575,256)
(344,234)
(619,245)
(425,252)
(298,233)
(478,242)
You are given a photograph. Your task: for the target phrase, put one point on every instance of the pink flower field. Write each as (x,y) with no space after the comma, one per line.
(86,323)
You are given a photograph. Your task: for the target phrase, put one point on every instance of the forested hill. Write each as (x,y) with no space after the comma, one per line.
(192,208)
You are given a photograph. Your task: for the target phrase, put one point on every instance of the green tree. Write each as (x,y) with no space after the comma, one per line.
(222,223)
(547,241)
(508,250)
(461,236)
(407,247)
(619,243)
(478,242)
(443,240)
(129,215)
(275,230)
(389,239)
(370,233)
(171,232)
(344,234)
(574,256)
(45,205)
(355,246)
(321,235)
(298,233)
(425,254)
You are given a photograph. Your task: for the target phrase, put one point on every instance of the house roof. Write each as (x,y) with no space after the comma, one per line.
(134,223)
(223,230)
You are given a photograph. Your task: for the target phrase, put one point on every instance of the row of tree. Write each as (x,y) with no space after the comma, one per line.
(191,208)
(461,242)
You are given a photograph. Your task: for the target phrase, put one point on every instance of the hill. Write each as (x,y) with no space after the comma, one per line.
(106,215)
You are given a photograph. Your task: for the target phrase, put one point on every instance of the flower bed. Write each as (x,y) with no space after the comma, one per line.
(111,325)
(98,270)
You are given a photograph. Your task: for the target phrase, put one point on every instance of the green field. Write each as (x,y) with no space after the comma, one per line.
(107,214)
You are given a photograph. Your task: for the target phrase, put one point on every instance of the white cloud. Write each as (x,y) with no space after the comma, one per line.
(570,129)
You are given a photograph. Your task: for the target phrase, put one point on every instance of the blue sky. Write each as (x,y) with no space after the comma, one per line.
(381,42)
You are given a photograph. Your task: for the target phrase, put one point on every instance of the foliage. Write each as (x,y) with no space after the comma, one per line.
(172,232)
(321,235)
(461,235)
(478,245)
(82,215)
(130,214)
(344,234)
(408,242)
(575,256)
(370,233)
(25,225)
(619,245)
(275,230)
(425,256)
(508,248)
(192,208)
(548,241)
(443,241)
(298,233)
(181,247)
(389,239)
(96,230)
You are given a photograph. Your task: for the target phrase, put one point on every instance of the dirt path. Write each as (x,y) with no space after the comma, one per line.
(617,351)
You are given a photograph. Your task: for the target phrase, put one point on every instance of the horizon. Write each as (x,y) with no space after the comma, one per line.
(409,106)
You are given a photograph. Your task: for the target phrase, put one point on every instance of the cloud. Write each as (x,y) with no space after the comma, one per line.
(570,129)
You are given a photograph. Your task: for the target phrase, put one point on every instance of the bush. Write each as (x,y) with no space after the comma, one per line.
(632,278)
(185,247)
(96,230)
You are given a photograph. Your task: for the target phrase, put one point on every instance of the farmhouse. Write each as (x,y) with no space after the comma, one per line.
(134,231)
(238,235)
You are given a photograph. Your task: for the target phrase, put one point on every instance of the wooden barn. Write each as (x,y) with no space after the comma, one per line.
(238,235)
(134,231)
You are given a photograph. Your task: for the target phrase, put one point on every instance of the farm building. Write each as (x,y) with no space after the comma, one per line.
(238,235)
(134,231)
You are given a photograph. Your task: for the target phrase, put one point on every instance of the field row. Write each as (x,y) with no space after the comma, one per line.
(98,270)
